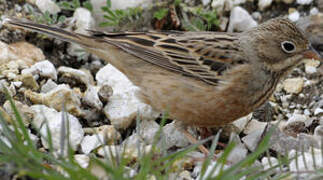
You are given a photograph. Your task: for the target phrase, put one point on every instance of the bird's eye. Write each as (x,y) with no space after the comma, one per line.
(288,47)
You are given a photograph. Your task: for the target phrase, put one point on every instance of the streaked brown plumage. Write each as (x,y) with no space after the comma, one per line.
(201,78)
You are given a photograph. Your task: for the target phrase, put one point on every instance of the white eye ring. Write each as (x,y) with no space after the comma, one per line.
(288,46)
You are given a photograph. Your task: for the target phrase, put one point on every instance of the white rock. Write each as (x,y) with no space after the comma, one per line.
(83,21)
(304,2)
(42,68)
(297,118)
(229,4)
(81,75)
(130,153)
(185,175)
(318,111)
(238,153)
(147,131)
(17,83)
(252,139)
(60,95)
(311,66)
(205,2)
(269,163)
(123,105)
(91,97)
(254,125)
(304,162)
(47,5)
(82,160)
(25,54)
(240,20)
(209,170)
(92,142)
(123,4)
(318,131)
(262,4)
(314,11)
(218,5)
(173,137)
(25,111)
(54,121)
(48,86)
(293,85)
(242,122)
(294,16)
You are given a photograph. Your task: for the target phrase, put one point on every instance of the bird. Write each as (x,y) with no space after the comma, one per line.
(202,79)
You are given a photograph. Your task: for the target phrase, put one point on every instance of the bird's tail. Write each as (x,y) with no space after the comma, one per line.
(50,31)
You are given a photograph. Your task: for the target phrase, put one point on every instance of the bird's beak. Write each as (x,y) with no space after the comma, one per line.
(311,53)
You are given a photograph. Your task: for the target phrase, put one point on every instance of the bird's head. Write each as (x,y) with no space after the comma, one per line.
(280,45)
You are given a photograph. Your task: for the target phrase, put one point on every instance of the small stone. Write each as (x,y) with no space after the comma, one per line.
(43,68)
(147,131)
(263,4)
(124,104)
(43,114)
(25,54)
(295,124)
(218,5)
(318,131)
(311,65)
(83,22)
(82,160)
(56,98)
(105,93)
(24,110)
(29,81)
(318,111)
(239,151)
(256,15)
(293,85)
(298,118)
(305,162)
(98,171)
(185,175)
(240,20)
(75,76)
(48,86)
(91,98)
(270,162)
(206,2)
(131,153)
(106,134)
(210,169)
(173,137)
(242,122)
(47,6)
(92,142)
(251,140)
(304,2)
(314,11)
(294,16)
(254,125)
(17,84)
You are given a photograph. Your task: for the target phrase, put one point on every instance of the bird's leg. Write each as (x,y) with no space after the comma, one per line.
(205,133)
(193,140)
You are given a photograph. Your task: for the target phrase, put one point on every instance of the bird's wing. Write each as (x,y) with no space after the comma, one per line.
(202,55)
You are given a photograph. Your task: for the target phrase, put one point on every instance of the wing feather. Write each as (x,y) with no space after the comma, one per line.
(202,55)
